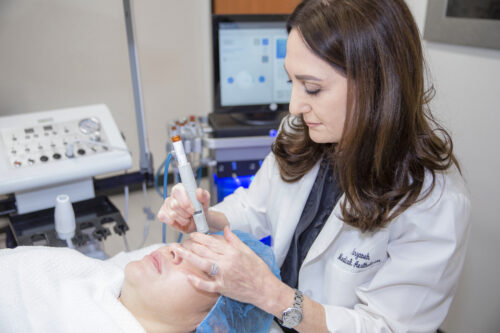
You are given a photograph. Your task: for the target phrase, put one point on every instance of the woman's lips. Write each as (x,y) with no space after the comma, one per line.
(156,259)
(312,124)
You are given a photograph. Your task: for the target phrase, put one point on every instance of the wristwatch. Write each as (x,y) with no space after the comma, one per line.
(291,317)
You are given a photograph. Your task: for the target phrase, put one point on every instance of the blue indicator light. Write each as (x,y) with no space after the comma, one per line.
(230,80)
(228,185)
(273,133)
(233,165)
(262,79)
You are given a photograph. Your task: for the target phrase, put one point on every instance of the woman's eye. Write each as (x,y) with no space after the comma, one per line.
(312,91)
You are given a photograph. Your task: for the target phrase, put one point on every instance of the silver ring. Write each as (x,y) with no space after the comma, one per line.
(214,270)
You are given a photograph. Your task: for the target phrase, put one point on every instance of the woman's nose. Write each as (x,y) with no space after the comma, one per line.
(297,105)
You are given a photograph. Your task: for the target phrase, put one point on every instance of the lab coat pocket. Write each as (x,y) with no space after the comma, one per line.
(341,284)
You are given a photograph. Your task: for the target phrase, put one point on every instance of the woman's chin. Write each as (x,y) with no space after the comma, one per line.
(318,138)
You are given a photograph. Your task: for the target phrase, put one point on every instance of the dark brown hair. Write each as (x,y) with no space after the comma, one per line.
(390,139)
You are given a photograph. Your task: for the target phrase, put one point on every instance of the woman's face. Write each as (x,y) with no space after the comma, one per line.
(319,91)
(158,284)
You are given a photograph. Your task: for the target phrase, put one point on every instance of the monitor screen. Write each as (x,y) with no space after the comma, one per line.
(249,54)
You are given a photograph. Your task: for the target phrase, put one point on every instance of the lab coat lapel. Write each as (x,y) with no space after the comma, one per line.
(294,204)
(327,235)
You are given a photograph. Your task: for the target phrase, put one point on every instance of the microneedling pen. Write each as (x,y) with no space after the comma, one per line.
(189,183)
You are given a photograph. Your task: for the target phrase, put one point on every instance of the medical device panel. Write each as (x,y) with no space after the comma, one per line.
(52,152)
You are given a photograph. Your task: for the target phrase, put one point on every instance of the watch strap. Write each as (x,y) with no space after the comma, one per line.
(297,306)
(298,299)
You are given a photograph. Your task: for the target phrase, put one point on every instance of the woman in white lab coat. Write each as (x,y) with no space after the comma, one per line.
(361,194)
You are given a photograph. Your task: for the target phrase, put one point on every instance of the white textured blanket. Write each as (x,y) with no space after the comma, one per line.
(45,289)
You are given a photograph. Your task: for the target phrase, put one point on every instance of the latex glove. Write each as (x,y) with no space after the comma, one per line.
(242,275)
(177,210)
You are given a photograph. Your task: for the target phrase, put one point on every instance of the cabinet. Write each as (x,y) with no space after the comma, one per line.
(254,6)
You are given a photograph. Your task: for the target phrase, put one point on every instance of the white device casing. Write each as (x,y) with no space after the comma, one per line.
(64,217)
(36,186)
(187,178)
(67,170)
(189,183)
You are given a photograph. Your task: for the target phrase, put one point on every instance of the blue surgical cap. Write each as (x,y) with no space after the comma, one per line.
(231,316)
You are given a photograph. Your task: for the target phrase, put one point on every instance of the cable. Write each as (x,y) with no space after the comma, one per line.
(125,213)
(149,215)
(157,178)
(99,144)
(199,174)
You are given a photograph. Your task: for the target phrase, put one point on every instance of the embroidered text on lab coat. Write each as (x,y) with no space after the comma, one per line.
(357,259)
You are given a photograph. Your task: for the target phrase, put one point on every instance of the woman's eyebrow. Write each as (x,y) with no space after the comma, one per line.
(307,78)
(303,77)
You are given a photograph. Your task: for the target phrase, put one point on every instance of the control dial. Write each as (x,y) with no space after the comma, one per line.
(89,125)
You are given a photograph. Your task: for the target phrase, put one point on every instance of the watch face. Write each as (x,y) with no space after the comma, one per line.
(292,317)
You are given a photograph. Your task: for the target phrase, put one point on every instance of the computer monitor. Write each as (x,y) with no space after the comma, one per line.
(249,74)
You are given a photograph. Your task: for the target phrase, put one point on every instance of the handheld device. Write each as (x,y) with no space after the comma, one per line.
(187,178)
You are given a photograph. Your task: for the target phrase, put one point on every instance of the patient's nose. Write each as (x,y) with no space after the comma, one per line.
(175,259)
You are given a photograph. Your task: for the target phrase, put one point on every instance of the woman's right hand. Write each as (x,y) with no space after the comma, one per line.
(177,210)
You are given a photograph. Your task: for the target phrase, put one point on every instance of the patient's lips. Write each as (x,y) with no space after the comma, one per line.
(157,261)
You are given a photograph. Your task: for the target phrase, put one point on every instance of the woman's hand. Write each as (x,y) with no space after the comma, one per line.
(242,275)
(177,210)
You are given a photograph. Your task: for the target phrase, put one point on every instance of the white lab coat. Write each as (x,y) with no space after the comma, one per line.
(398,279)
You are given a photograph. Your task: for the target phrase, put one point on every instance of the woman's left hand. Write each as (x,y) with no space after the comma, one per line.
(241,274)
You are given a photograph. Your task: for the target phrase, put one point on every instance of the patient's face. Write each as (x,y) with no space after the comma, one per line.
(159,282)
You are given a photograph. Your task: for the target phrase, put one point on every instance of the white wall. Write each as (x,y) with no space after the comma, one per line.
(59,53)
(467,80)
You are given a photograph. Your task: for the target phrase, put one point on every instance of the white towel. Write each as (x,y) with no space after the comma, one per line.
(44,289)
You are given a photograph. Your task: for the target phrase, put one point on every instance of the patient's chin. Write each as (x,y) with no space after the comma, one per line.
(135,273)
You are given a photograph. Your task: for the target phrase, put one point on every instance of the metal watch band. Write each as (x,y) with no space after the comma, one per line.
(298,299)
(293,316)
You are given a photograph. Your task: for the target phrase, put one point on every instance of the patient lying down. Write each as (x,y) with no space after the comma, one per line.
(60,290)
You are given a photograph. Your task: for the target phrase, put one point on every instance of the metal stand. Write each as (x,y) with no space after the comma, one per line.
(146,158)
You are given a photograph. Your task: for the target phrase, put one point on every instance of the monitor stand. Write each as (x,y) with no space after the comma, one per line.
(256,118)
(244,124)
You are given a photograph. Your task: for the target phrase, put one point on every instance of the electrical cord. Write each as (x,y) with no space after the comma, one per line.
(149,215)
(71,146)
(125,213)
(165,165)
(157,178)
(165,178)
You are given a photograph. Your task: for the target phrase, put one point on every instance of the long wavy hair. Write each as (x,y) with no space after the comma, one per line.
(390,138)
